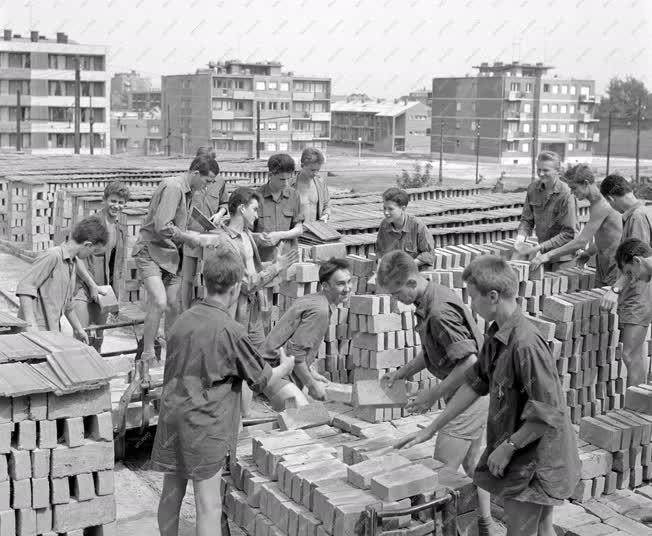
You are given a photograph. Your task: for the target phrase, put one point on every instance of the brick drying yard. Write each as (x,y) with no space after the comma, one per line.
(307,472)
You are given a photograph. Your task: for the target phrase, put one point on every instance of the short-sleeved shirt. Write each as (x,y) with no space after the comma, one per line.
(447,330)
(208,356)
(413,237)
(167,217)
(208,201)
(516,368)
(279,212)
(301,329)
(51,281)
(551,212)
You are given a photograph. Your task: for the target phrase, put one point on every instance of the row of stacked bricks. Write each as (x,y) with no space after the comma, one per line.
(321,480)
(56,465)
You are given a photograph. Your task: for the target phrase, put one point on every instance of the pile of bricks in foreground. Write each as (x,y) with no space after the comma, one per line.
(56,438)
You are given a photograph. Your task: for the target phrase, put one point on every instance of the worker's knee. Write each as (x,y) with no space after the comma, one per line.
(158,303)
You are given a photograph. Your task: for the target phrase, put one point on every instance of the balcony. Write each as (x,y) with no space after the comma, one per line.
(222,92)
(513,96)
(243,94)
(224,115)
(585,136)
(221,134)
(596,137)
(302,96)
(243,135)
(591,99)
(302,136)
(301,115)
(320,116)
(588,118)
(322,96)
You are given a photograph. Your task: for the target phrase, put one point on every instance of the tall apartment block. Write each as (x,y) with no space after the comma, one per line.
(43,72)
(500,104)
(217,107)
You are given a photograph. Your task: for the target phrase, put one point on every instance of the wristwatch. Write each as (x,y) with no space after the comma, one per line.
(616,290)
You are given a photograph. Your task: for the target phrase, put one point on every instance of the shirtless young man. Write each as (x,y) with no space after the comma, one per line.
(312,190)
(605,227)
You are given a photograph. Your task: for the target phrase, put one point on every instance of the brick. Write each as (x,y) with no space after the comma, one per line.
(47,434)
(387,358)
(595,463)
(404,482)
(338,392)
(20,409)
(26,435)
(25,522)
(7,523)
(20,464)
(73,431)
(40,492)
(6,430)
(639,399)
(21,494)
(600,434)
(79,404)
(77,515)
(60,489)
(313,414)
(88,458)
(40,463)
(38,407)
(104,482)
(5,495)
(558,309)
(4,468)
(625,431)
(370,393)
(100,427)
(84,487)
(360,474)
(43,520)
(546,329)
(384,323)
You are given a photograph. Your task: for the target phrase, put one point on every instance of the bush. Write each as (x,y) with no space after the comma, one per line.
(421,176)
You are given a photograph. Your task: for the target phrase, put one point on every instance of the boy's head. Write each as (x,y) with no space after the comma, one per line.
(223,271)
(630,255)
(615,188)
(92,234)
(245,201)
(281,169)
(399,276)
(548,165)
(207,151)
(116,195)
(311,161)
(395,202)
(202,171)
(335,279)
(491,282)
(580,178)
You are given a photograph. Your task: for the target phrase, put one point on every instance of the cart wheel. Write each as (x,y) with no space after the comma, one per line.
(120,446)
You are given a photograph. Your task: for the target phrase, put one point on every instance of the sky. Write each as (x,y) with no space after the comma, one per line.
(384,48)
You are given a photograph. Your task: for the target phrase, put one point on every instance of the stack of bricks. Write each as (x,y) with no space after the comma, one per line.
(320,481)
(129,287)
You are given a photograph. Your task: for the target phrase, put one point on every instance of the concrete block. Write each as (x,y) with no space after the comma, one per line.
(639,399)
(20,464)
(6,430)
(100,427)
(73,431)
(558,309)
(77,515)
(60,490)
(20,408)
(338,392)
(21,494)
(600,434)
(370,393)
(38,407)
(40,492)
(40,463)
(88,458)
(25,522)
(79,404)
(403,482)
(8,523)
(384,323)
(360,474)
(104,482)
(314,414)
(84,487)
(43,520)
(4,468)
(47,434)
(595,463)
(5,495)
(546,329)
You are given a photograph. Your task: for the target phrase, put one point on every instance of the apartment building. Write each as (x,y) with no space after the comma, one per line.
(499,107)
(219,106)
(42,70)
(136,133)
(399,126)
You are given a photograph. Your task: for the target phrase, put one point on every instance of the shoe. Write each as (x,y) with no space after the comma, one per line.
(486,527)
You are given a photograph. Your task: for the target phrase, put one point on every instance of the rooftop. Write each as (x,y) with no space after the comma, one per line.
(382,109)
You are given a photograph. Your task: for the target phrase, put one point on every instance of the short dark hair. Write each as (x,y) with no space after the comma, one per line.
(550,156)
(615,185)
(396,195)
(118,189)
(91,229)
(204,164)
(630,248)
(208,151)
(332,265)
(395,268)
(280,163)
(579,174)
(310,155)
(242,196)
(222,269)
(490,272)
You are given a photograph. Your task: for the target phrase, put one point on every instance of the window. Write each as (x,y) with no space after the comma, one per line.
(585,90)
(283,146)
(528,87)
(262,126)
(553,128)
(562,128)
(154,129)
(546,88)
(553,109)
(285,106)
(525,147)
(514,86)
(260,85)
(272,85)
(527,108)
(262,105)
(283,127)
(472,125)
(270,146)
(271,125)
(544,128)
(526,128)
(238,105)
(458,106)
(573,90)
(544,108)
(18,60)
(563,109)
(555,89)
(582,146)
(570,147)
(285,86)
(564,90)
(571,128)
(571,108)
(272,105)
(186,83)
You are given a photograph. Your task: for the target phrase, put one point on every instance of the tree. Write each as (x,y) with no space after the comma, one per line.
(623,97)
(422,176)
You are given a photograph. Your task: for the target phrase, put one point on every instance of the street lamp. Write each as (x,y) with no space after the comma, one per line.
(477,150)
(359,149)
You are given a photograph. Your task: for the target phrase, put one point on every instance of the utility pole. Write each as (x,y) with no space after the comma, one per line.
(169,130)
(19,136)
(77,136)
(609,140)
(639,109)
(535,122)
(91,145)
(257,130)
(359,149)
(477,150)
(183,144)
(441,151)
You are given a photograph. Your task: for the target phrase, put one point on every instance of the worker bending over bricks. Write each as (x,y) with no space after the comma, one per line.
(550,211)
(633,297)
(208,357)
(451,341)
(47,290)
(252,301)
(403,232)
(302,327)
(604,228)
(212,202)
(158,249)
(100,270)
(312,189)
(531,460)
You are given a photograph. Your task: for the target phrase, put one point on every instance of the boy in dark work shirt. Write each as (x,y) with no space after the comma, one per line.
(208,356)
(531,460)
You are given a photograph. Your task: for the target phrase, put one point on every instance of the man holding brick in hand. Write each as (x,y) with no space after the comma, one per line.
(451,341)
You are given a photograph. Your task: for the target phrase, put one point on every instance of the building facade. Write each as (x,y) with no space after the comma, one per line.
(218,107)
(400,126)
(124,85)
(43,72)
(498,108)
(136,133)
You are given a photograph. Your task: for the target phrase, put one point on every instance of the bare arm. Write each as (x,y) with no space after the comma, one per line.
(413,367)
(454,380)
(586,235)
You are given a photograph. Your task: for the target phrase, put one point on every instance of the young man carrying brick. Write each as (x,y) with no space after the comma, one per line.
(451,341)
(633,298)
(604,229)
(531,460)
(46,291)
(208,357)
(302,328)
(158,249)
(312,189)
(103,269)
(400,231)
(549,210)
